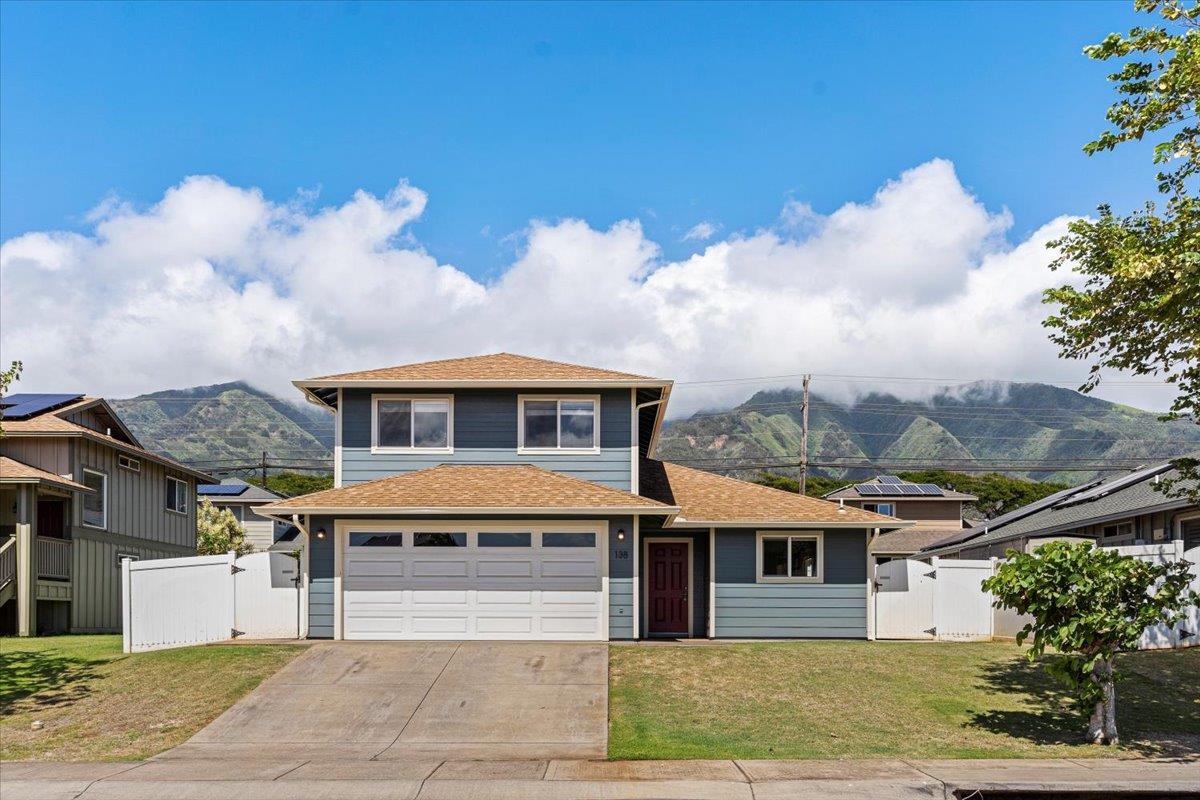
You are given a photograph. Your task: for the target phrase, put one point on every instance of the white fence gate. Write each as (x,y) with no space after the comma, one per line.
(940,600)
(177,602)
(943,600)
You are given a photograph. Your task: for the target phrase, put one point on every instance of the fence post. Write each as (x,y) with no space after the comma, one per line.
(126,607)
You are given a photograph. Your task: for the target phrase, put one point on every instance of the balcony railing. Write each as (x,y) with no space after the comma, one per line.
(53,558)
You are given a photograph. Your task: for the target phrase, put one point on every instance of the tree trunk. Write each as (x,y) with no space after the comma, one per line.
(1102,727)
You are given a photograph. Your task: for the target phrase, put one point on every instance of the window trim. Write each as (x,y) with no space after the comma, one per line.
(558,449)
(129,462)
(378,448)
(103,526)
(180,481)
(818,536)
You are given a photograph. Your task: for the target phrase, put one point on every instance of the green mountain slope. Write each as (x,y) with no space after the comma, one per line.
(1028,423)
(228,422)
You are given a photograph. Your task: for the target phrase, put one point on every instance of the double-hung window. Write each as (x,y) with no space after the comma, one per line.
(401,424)
(177,495)
(790,558)
(561,424)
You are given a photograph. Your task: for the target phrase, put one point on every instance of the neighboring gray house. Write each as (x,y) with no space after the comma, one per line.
(78,493)
(241,499)
(508,497)
(1129,509)
(936,513)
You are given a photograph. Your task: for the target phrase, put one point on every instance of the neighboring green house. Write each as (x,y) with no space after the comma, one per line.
(1127,510)
(508,497)
(78,493)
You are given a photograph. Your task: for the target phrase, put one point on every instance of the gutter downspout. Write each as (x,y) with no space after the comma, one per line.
(635,479)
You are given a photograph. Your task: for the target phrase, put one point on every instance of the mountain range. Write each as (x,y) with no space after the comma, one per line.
(1027,429)
(1030,430)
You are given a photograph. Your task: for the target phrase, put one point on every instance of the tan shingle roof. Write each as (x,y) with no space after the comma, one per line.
(707,498)
(910,540)
(51,424)
(13,471)
(476,488)
(495,368)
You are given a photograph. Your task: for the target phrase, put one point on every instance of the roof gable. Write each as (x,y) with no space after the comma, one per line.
(496,369)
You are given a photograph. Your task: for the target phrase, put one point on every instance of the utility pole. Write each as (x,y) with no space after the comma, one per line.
(264,462)
(804,438)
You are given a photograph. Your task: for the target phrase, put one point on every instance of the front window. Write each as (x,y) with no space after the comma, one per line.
(177,495)
(95,504)
(567,423)
(412,423)
(790,558)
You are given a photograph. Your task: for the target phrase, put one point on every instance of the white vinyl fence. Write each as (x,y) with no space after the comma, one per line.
(177,602)
(943,600)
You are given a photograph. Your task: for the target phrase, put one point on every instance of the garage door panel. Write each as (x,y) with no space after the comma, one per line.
(494,597)
(439,569)
(492,568)
(467,592)
(569,569)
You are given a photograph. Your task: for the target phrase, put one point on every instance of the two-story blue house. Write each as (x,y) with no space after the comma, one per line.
(508,497)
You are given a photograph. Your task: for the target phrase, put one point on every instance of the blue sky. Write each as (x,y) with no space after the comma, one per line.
(671,114)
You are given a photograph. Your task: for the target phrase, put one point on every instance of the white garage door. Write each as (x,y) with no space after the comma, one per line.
(472,581)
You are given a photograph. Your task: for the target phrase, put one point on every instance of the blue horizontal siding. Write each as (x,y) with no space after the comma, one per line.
(608,467)
(799,610)
(845,555)
(620,608)
(320,585)
(485,432)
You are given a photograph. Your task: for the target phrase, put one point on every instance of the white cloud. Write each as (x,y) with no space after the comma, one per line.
(216,282)
(701,232)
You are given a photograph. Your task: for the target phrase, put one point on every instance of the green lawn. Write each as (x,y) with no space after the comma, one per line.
(881,699)
(96,703)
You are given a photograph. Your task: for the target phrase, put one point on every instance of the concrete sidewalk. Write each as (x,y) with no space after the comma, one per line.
(348,779)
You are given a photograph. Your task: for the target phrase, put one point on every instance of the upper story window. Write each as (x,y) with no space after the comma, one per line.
(129,463)
(95,504)
(401,424)
(889,509)
(570,424)
(177,495)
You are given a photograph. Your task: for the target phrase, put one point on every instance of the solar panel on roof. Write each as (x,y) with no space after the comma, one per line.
(889,479)
(21,406)
(222,490)
(931,489)
(868,488)
(907,488)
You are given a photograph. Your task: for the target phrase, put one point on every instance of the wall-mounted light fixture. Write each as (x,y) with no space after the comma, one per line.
(320,533)
(620,534)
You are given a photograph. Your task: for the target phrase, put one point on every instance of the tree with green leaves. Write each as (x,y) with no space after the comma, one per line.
(218,531)
(7,378)
(1089,604)
(1137,307)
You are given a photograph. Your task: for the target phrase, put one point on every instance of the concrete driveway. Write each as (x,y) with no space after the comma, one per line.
(403,700)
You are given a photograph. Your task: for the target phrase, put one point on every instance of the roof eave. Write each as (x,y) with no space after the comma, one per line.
(680,522)
(487,510)
(67,486)
(561,383)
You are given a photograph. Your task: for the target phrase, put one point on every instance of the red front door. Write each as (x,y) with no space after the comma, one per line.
(667,588)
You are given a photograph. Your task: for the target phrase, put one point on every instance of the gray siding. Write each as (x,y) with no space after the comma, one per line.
(96,578)
(320,582)
(485,432)
(836,608)
(620,579)
(137,501)
(52,455)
